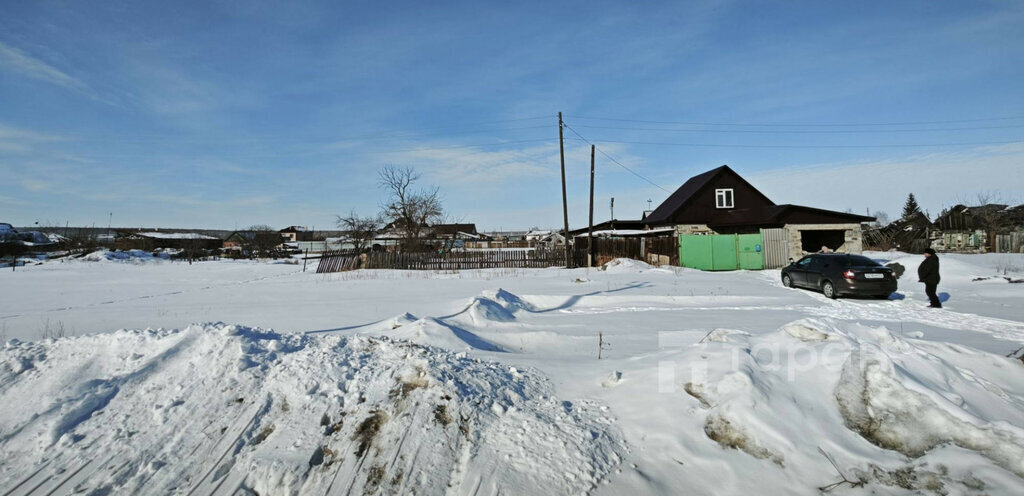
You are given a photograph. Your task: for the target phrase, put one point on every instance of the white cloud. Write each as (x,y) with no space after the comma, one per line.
(35,185)
(20,140)
(474,166)
(18,61)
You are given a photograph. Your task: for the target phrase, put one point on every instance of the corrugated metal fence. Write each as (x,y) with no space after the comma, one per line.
(776,248)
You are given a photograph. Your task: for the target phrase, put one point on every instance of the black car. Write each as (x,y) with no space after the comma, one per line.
(840,274)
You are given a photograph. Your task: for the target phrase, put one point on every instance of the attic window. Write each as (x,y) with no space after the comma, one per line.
(723,198)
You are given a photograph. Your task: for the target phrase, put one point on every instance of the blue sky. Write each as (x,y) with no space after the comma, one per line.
(222,114)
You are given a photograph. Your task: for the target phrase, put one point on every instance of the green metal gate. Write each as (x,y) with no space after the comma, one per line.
(722,252)
(695,252)
(751,251)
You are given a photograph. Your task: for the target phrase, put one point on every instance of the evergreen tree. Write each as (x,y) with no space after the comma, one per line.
(911,207)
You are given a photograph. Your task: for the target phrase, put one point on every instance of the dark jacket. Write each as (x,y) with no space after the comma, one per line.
(928,271)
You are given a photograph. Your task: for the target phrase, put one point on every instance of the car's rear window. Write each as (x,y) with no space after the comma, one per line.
(859,261)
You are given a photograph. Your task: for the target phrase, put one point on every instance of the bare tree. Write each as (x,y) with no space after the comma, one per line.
(985,212)
(360,231)
(411,211)
(988,215)
(263,241)
(881,218)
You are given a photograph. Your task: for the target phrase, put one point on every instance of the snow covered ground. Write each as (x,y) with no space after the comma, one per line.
(257,376)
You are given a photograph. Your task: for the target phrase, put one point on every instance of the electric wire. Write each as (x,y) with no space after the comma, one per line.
(892,145)
(778,124)
(819,131)
(616,162)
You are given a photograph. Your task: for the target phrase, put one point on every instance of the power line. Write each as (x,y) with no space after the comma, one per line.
(454,147)
(616,162)
(462,128)
(775,131)
(433,133)
(775,124)
(901,145)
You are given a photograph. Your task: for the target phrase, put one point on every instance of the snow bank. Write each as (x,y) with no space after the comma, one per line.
(436,332)
(874,403)
(130,256)
(867,397)
(625,266)
(805,331)
(957,266)
(215,408)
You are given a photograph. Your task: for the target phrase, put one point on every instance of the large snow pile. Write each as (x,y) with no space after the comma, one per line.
(215,408)
(891,412)
(131,256)
(166,235)
(625,266)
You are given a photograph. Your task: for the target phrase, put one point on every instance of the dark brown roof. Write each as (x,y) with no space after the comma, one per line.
(611,224)
(689,189)
(454,228)
(779,215)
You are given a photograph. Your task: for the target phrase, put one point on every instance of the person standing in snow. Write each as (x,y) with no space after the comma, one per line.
(928,273)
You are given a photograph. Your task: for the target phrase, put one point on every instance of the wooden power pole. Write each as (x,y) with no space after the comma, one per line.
(590,225)
(565,203)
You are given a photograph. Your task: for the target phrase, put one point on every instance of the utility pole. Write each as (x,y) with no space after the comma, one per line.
(590,226)
(565,203)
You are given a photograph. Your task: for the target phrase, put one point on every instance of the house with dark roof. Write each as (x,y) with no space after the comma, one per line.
(296,233)
(610,226)
(720,201)
(980,228)
(239,239)
(454,231)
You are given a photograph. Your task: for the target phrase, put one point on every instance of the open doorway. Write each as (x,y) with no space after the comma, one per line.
(813,241)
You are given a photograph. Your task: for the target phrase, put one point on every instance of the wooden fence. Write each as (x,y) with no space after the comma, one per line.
(513,259)
(1009,243)
(337,261)
(660,250)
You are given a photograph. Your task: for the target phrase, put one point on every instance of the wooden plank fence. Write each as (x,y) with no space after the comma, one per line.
(511,259)
(337,261)
(1009,243)
(643,249)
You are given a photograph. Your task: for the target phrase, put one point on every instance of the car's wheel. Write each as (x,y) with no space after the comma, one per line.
(828,290)
(787,281)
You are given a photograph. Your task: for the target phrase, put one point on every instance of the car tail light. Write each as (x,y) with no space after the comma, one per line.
(849,274)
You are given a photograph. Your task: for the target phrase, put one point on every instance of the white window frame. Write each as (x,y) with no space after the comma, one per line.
(720,197)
